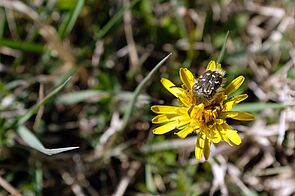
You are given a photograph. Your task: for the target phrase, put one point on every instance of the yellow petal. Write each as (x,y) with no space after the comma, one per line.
(207,131)
(200,145)
(234,85)
(184,120)
(165,128)
(187,78)
(213,66)
(207,148)
(234,137)
(165,118)
(163,109)
(176,91)
(197,111)
(229,105)
(222,132)
(232,134)
(184,132)
(218,66)
(198,152)
(216,136)
(219,121)
(239,98)
(185,99)
(220,97)
(239,115)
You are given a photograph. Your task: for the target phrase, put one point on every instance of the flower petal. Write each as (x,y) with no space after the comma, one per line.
(232,135)
(165,128)
(234,85)
(172,88)
(222,132)
(200,145)
(213,66)
(185,99)
(184,120)
(239,115)
(187,78)
(163,118)
(229,105)
(207,148)
(184,132)
(164,109)
(216,135)
(197,110)
(239,98)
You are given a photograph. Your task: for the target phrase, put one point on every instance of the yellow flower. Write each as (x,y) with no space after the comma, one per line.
(203,107)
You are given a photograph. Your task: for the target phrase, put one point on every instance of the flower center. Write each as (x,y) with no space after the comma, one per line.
(210,114)
(205,116)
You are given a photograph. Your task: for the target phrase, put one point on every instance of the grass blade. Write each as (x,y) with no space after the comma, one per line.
(70,19)
(76,97)
(149,179)
(34,142)
(22,45)
(35,108)
(220,57)
(2,23)
(138,90)
(255,107)
(115,19)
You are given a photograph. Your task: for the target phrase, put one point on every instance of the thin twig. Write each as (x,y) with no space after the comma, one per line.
(8,187)
(124,182)
(170,144)
(114,127)
(69,180)
(134,60)
(41,109)
(11,24)
(98,51)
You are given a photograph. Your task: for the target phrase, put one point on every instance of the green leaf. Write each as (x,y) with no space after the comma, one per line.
(2,22)
(254,107)
(149,179)
(65,4)
(33,142)
(138,89)
(35,108)
(75,97)
(70,19)
(114,20)
(22,45)
(220,57)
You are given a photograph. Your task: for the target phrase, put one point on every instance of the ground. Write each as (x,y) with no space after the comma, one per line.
(90,59)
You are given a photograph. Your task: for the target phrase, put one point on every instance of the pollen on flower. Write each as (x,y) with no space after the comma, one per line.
(204,106)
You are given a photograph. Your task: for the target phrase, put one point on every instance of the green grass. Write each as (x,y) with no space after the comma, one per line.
(67,80)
